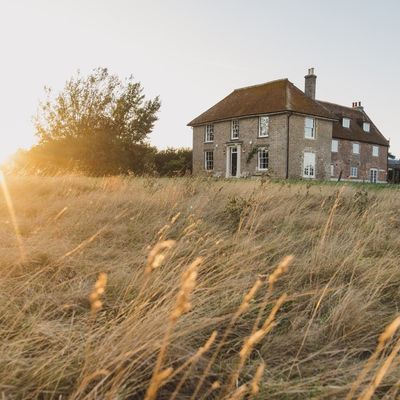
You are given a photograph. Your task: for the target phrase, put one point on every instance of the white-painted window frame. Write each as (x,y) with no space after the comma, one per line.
(309,131)
(307,168)
(353,148)
(366,127)
(332,169)
(335,148)
(375,151)
(208,163)
(209,133)
(353,171)
(374,175)
(262,118)
(235,129)
(259,152)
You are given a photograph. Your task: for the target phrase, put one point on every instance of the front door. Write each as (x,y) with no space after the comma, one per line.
(373,175)
(234,161)
(309,165)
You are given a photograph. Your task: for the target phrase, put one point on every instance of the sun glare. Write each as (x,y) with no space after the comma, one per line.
(11,210)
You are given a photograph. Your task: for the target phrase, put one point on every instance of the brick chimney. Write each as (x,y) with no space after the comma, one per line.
(357,105)
(310,83)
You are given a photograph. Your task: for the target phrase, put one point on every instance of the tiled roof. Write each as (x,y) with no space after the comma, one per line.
(270,97)
(355,132)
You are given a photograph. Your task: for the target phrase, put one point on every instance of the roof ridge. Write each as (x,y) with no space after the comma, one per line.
(340,105)
(261,84)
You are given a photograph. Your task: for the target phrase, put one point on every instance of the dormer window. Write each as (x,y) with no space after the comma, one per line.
(209,133)
(235,129)
(366,126)
(346,122)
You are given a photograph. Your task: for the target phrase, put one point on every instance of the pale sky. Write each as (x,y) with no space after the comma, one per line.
(194,53)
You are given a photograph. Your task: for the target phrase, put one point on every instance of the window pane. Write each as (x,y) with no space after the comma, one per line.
(235,129)
(346,122)
(262,159)
(309,128)
(209,160)
(209,133)
(335,146)
(263,126)
(310,122)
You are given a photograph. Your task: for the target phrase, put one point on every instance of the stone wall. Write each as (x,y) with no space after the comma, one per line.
(320,145)
(248,140)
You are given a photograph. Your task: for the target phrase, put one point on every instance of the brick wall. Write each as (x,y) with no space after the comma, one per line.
(321,146)
(344,159)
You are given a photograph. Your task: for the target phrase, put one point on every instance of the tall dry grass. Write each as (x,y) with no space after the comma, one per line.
(183,289)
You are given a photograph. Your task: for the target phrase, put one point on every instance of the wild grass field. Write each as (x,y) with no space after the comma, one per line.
(133,288)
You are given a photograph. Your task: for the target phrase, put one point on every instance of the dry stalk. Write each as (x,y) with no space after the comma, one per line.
(239,393)
(385,336)
(242,308)
(255,383)
(255,338)
(182,306)
(161,233)
(215,386)
(272,279)
(369,392)
(331,214)
(187,365)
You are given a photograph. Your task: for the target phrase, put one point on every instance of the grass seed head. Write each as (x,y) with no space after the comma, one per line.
(280,270)
(157,255)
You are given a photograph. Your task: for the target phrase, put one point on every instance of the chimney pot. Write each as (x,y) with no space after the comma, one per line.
(357,105)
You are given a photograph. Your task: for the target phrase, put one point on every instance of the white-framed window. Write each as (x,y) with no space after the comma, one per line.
(309,165)
(373,175)
(235,129)
(366,126)
(263,126)
(209,160)
(353,172)
(375,151)
(346,122)
(309,128)
(262,163)
(209,133)
(334,146)
(332,170)
(356,148)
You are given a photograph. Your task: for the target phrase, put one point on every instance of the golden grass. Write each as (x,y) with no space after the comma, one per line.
(190,288)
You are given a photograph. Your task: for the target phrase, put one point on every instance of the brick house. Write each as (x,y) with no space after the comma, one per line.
(277,129)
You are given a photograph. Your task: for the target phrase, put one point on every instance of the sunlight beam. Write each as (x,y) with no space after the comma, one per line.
(11,210)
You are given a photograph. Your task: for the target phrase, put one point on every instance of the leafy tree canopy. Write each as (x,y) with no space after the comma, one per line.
(97,123)
(99,102)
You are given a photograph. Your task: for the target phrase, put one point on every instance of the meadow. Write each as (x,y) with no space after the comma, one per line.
(145,288)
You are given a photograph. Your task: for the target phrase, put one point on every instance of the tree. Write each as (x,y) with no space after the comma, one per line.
(98,124)
(172,162)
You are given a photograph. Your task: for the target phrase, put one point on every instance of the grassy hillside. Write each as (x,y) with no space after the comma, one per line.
(173,261)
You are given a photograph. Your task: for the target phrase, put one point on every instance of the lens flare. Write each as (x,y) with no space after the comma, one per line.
(11,210)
